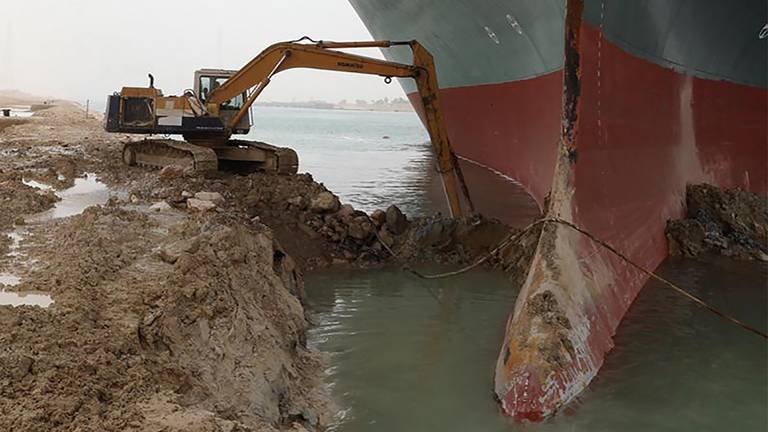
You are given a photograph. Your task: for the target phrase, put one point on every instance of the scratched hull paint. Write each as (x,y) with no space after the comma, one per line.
(670,92)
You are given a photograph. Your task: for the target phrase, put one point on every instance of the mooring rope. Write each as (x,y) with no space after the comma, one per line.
(513,237)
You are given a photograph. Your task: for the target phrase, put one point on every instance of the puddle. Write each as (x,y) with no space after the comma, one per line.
(25,299)
(9,279)
(87,191)
(16,237)
(21,298)
(38,185)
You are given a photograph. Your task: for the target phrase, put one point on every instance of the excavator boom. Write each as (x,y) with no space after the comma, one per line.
(258,73)
(208,117)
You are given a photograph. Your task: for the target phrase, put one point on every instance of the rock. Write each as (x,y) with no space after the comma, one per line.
(297,202)
(252,199)
(310,416)
(436,233)
(361,227)
(213,197)
(686,238)
(357,232)
(368,227)
(298,427)
(160,206)
(134,198)
(200,205)
(346,211)
(186,194)
(171,172)
(379,217)
(324,202)
(23,367)
(171,252)
(386,237)
(307,230)
(396,220)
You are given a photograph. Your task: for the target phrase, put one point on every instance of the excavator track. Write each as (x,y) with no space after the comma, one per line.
(236,155)
(260,156)
(159,153)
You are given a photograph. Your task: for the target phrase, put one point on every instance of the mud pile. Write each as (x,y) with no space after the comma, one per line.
(18,199)
(160,322)
(732,223)
(7,122)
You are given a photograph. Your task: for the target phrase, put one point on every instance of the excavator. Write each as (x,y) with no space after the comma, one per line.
(219,106)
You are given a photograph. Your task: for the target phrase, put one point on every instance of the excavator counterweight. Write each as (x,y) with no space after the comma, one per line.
(219,106)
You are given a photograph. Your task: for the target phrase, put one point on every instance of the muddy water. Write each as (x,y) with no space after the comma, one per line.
(409,354)
(25,299)
(348,151)
(414,355)
(85,192)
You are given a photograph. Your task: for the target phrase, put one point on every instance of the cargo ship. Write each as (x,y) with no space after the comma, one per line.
(603,111)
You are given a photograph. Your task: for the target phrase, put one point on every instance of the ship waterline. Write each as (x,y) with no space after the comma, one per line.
(669,93)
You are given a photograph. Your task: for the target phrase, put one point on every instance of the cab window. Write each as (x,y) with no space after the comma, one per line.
(209,84)
(236,102)
(205,87)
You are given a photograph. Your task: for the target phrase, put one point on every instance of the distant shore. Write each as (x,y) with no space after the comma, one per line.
(399,105)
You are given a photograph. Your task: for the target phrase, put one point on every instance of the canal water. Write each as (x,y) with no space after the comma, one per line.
(414,355)
(367,158)
(408,354)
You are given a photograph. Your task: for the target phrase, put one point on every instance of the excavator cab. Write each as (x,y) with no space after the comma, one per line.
(208,80)
(145,110)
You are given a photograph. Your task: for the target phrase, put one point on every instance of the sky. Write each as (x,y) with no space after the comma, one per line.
(87,49)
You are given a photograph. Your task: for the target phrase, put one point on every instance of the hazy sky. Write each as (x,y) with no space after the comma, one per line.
(86,49)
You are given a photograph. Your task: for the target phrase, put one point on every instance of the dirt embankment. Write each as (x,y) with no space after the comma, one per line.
(161,322)
(179,305)
(732,223)
(171,320)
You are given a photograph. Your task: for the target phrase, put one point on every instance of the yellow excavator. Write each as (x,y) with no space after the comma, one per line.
(219,106)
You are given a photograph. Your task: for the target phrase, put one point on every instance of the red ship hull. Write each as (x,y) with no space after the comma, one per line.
(668,93)
(638,147)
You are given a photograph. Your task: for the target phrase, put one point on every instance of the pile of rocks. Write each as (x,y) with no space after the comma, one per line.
(390,236)
(358,237)
(726,222)
(317,229)
(198,202)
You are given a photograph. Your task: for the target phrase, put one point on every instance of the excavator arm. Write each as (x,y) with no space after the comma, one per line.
(257,74)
